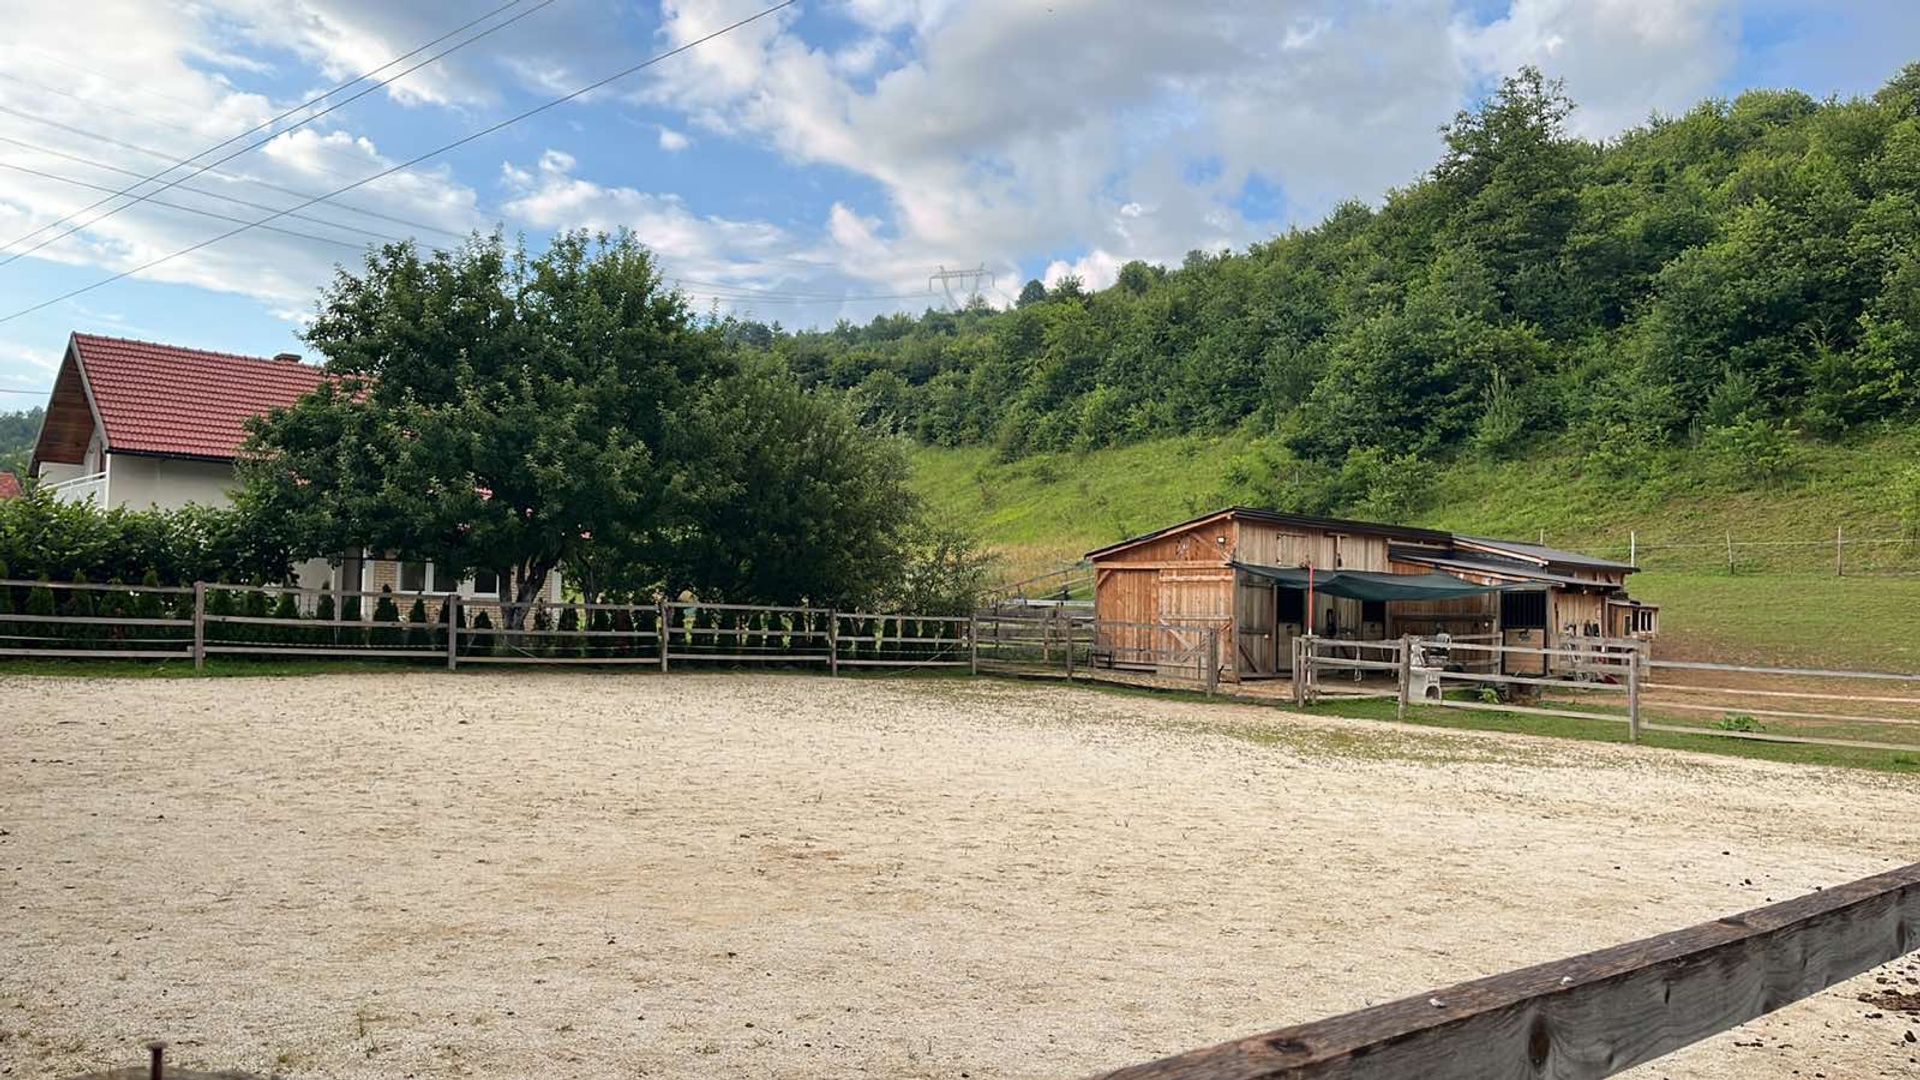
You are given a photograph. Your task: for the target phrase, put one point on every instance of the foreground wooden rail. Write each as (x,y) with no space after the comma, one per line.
(1593,1015)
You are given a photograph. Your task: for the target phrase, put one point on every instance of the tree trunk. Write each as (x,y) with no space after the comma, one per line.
(528,579)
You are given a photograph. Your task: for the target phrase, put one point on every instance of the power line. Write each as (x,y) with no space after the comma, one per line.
(23,390)
(410,162)
(295,192)
(143,196)
(208,192)
(183,207)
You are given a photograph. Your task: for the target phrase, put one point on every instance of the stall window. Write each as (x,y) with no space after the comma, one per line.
(1293,606)
(1523,611)
(1374,611)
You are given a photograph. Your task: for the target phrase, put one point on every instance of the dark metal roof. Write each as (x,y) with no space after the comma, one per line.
(1275,517)
(1493,564)
(1547,554)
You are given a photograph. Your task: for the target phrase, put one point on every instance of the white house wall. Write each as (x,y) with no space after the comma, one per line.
(168,483)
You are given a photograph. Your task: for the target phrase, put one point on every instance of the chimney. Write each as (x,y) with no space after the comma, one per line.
(287,357)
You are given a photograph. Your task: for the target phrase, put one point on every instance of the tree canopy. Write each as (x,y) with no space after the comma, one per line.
(497,410)
(1748,266)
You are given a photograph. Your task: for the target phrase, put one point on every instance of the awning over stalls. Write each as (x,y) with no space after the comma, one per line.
(1371,585)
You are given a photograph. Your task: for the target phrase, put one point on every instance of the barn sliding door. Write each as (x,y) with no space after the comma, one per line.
(1193,601)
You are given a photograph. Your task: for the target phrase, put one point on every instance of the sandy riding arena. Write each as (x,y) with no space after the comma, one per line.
(583,875)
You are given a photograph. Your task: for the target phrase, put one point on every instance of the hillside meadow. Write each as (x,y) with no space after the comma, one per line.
(1782,605)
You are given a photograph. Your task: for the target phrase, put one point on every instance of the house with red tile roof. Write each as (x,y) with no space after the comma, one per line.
(9,486)
(139,424)
(133,423)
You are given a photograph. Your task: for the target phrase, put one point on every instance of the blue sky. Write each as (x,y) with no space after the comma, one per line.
(817,164)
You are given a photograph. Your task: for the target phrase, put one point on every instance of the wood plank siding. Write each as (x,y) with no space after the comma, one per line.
(1183,575)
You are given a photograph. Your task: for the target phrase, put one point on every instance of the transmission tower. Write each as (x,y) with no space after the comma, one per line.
(968,282)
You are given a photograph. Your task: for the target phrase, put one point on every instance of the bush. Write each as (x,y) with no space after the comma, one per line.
(288,607)
(482,636)
(418,636)
(41,537)
(323,614)
(386,611)
(1753,452)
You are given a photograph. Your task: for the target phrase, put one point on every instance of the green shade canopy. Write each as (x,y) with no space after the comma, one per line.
(1370,585)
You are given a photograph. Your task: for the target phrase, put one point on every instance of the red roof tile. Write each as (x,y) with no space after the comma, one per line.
(9,486)
(162,399)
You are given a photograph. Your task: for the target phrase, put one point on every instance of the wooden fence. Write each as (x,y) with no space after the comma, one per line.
(1616,681)
(194,623)
(1594,1015)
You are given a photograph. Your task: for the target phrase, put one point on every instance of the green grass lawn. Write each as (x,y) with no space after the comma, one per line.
(1790,620)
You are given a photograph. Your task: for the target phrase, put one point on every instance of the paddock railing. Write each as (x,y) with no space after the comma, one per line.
(1593,1015)
(1619,681)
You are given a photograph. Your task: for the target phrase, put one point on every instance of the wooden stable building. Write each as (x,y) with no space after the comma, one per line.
(1248,575)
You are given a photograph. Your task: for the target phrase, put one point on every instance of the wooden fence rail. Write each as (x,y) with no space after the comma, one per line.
(1424,668)
(1594,1015)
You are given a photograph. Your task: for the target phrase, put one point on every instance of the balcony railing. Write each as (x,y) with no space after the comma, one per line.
(81,488)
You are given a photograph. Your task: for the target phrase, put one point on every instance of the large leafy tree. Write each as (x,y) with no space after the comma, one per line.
(491,409)
(776,494)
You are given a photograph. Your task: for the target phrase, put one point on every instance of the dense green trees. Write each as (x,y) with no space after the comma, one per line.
(1732,275)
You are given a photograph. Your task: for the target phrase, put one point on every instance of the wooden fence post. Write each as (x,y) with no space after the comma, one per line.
(1839,551)
(452,609)
(1406,675)
(1729,551)
(1069,632)
(973,644)
(666,612)
(833,642)
(1633,693)
(1213,659)
(199,625)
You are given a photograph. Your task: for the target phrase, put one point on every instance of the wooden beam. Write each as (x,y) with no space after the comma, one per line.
(1593,1015)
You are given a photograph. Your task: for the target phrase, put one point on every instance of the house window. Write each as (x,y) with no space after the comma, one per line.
(486,583)
(413,577)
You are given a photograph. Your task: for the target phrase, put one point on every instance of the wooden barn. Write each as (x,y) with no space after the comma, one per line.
(1248,574)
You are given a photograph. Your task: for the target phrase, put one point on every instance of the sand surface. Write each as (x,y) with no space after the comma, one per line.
(580,875)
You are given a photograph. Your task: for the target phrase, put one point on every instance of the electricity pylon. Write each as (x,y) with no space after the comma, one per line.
(973,279)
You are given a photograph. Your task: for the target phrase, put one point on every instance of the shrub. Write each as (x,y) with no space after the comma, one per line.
(418,636)
(288,607)
(352,611)
(323,613)
(623,624)
(40,602)
(602,622)
(386,611)
(1738,722)
(78,604)
(482,635)
(540,644)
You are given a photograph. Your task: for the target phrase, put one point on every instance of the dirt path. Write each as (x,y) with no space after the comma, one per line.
(564,875)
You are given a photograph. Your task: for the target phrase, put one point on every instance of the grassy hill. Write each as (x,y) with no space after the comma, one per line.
(1783,603)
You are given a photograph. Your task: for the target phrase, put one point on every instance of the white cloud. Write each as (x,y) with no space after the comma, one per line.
(1622,59)
(1008,127)
(1096,270)
(51,57)
(673,141)
(549,196)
